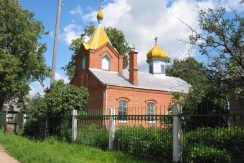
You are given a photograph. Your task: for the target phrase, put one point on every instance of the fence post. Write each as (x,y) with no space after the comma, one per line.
(177,134)
(74,125)
(111,129)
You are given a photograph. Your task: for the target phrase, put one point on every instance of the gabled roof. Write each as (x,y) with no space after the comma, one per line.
(98,39)
(145,81)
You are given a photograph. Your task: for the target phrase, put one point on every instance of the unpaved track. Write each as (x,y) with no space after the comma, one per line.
(6,158)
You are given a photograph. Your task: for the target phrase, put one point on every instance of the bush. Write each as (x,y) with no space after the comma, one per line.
(35,128)
(144,141)
(201,153)
(229,139)
(51,115)
(93,136)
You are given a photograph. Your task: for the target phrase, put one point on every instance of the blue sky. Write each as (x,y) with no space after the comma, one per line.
(45,11)
(140,20)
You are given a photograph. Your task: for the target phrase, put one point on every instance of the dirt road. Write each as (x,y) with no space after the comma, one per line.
(6,158)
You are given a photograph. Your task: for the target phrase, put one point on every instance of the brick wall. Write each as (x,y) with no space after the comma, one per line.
(95,58)
(102,98)
(96,94)
(138,99)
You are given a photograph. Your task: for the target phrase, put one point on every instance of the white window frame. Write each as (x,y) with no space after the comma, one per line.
(151,111)
(123,107)
(106,62)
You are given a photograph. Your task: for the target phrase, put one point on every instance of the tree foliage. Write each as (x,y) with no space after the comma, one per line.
(194,73)
(222,40)
(55,109)
(116,37)
(203,97)
(21,53)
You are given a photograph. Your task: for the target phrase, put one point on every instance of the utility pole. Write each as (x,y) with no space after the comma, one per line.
(55,46)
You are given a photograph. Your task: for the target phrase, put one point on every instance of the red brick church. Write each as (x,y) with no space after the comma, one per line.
(99,67)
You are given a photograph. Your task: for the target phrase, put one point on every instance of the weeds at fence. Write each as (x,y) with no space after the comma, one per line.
(94,136)
(150,141)
(218,144)
(228,142)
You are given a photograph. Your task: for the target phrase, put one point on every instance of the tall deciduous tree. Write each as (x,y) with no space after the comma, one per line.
(21,53)
(221,39)
(116,37)
(203,97)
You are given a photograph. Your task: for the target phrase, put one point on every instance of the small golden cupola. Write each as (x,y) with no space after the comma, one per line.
(157,60)
(156,52)
(99,37)
(100,14)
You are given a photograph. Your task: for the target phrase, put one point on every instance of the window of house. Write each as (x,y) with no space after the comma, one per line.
(105,63)
(83,63)
(150,111)
(123,106)
(162,69)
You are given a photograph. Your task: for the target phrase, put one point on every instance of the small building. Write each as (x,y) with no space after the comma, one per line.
(99,67)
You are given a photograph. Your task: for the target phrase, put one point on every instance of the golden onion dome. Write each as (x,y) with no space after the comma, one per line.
(100,14)
(156,52)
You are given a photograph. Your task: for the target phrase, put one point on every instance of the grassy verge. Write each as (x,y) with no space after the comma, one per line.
(53,151)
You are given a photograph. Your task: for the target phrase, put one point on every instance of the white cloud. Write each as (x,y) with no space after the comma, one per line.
(142,20)
(36,87)
(233,4)
(59,76)
(77,11)
(71,32)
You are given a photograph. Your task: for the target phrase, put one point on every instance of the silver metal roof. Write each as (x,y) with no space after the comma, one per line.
(145,81)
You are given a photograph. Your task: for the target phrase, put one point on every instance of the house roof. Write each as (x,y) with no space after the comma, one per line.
(98,38)
(145,81)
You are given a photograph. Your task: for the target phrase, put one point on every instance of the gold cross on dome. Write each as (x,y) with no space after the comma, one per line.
(156,40)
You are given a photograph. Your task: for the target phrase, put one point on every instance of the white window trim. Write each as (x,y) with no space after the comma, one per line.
(123,121)
(106,67)
(151,121)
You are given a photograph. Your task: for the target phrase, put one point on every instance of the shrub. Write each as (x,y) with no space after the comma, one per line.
(201,153)
(144,141)
(229,139)
(51,115)
(93,136)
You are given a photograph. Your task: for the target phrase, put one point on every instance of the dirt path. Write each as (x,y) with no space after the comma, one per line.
(6,158)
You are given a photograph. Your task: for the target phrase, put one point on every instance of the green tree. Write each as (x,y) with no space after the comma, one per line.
(221,39)
(116,37)
(196,74)
(55,109)
(21,53)
(203,97)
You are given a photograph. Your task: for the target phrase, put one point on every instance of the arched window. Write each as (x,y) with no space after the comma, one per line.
(123,106)
(83,63)
(105,63)
(150,111)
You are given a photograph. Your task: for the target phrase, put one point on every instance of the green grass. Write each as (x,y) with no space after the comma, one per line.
(53,151)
